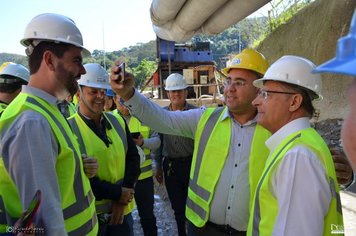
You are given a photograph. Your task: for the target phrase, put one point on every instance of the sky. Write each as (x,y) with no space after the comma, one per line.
(105,24)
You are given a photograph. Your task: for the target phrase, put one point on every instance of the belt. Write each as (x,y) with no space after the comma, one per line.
(226,229)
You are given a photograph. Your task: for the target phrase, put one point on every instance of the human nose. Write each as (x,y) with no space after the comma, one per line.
(257,101)
(82,69)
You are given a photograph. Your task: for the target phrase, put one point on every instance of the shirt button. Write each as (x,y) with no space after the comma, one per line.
(235,165)
(232,186)
(239,144)
(228,208)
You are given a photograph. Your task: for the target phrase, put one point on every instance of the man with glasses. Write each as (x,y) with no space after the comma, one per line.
(229,151)
(298,192)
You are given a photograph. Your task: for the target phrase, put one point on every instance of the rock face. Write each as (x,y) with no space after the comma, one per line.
(330,131)
(312,33)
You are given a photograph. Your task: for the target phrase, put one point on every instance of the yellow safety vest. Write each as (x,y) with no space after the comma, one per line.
(265,205)
(111,160)
(146,167)
(211,143)
(2,107)
(77,198)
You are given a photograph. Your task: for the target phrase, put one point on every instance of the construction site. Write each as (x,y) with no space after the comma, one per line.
(311,33)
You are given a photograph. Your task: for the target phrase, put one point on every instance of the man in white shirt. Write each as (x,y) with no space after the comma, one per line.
(298,192)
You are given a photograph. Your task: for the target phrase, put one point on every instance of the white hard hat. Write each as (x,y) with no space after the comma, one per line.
(95,77)
(55,28)
(175,81)
(293,70)
(15,70)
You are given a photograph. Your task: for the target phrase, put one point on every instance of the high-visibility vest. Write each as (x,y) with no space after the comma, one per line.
(77,198)
(146,167)
(111,160)
(265,205)
(212,140)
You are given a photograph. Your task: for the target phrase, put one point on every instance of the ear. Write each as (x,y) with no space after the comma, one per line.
(296,102)
(49,59)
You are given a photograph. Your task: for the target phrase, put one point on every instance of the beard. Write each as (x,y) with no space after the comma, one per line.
(68,80)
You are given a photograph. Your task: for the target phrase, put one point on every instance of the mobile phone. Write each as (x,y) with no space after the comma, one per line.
(122,71)
(29,214)
(135,135)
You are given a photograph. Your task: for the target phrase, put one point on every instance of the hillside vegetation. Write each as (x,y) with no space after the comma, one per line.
(141,58)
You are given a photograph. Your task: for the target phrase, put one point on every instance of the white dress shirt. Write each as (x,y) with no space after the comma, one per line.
(300,186)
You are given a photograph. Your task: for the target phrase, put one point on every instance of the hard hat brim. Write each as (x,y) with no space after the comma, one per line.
(259,84)
(176,88)
(338,67)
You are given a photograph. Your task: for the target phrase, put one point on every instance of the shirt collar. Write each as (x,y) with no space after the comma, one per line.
(227,115)
(288,129)
(41,94)
(184,109)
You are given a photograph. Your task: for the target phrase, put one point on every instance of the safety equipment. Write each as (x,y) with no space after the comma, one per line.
(77,198)
(213,134)
(110,158)
(110,93)
(248,59)
(175,81)
(265,206)
(95,77)
(345,59)
(52,27)
(15,70)
(293,70)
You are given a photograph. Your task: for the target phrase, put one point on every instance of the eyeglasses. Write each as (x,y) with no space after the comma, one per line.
(264,93)
(235,84)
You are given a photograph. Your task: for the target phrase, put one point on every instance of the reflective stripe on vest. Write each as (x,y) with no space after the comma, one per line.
(201,192)
(262,221)
(82,201)
(212,145)
(257,213)
(118,128)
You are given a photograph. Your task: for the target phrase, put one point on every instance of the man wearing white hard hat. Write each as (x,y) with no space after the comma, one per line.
(38,148)
(298,192)
(175,154)
(106,138)
(12,77)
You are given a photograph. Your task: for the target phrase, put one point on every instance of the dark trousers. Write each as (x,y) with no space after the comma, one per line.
(144,200)
(124,229)
(212,230)
(176,176)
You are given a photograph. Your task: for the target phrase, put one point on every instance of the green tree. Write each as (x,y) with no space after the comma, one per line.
(143,71)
